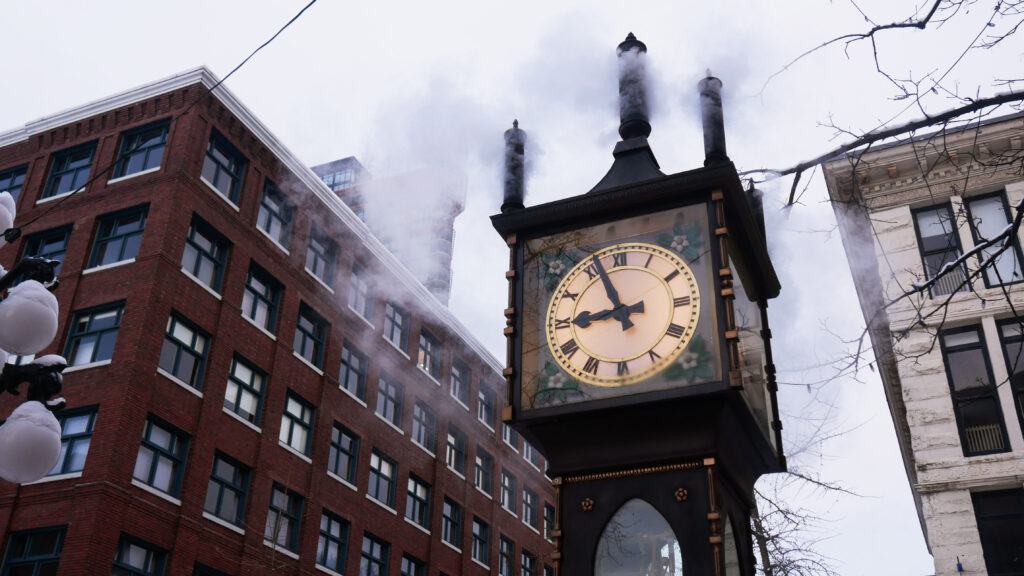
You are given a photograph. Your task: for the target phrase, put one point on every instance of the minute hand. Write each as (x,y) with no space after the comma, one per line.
(613,295)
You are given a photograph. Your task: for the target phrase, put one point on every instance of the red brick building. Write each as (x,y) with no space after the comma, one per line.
(256,385)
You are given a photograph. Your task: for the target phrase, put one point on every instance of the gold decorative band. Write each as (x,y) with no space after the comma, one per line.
(634,472)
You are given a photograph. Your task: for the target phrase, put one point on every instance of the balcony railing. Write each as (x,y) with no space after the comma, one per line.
(984,438)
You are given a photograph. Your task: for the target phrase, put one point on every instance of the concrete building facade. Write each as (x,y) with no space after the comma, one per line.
(256,384)
(931,230)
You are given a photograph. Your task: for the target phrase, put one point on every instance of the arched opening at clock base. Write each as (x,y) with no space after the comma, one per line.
(638,541)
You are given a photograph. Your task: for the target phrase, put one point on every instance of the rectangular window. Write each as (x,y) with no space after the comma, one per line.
(310,336)
(76,433)
(1011,334)
(424,426)
(297,424)
(142,149)
(549,520)
(333,542)
(321,255)
(244,392)
(1000,517)
(383,472)
(529,564)
(508,491)
(455,455)
(283,518)
(460,382)
(261,298)
(940,245)
(69,171)
(481,541)
(529,507)
(183,354)
(34,552)
(11,181)
(396,326)
(417,503)
(161,459)
(990,216)
(530,454)
(549,570)
(451,523)
(429,358)
(50,244)
(412,566)
(344,453)
(225,494)
(118,237)
(389,400)
(975,400)
(138,558)
(484,470)
(485,407)
(352,376)
(360,296)
(275,215)
(93,334)
(205,254)
(506,556)
(373,559)
(223,167)
(510,436)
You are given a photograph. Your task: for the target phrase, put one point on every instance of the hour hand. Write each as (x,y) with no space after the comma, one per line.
(585,318)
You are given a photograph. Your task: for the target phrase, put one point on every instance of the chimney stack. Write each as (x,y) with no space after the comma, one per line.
(710,89)
(633,118)
(515,144)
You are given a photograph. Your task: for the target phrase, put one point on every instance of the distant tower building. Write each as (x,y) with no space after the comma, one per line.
(412,213)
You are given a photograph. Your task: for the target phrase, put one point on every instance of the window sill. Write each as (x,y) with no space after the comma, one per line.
(307,363)
(532,465)
(389,423)
(224,523)
(485,424)
(319,279)
(95,269)
(452,546)
(382,505)
(514,515)
(266,332)
(201,283)
(302,456)
(222,197)
(535,530)
(78,367)
(485,493)
(459,402)
(181,383)
(342,480)
(481,564)
(456,472)
(146,487)
(274,241)
(242,420)
(514,449)
(363,318)
(58,196)
(417,526)
(424,448)
(327,570)
(55,478)
(429,375)
(132,175)
(273,546)
(395,346)
(349,393)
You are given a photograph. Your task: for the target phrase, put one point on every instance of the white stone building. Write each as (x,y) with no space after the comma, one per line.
(947,337)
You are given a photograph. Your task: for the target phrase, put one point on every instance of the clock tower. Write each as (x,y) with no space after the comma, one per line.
(639,357)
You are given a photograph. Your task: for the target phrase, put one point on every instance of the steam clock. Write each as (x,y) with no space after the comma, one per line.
(639,355)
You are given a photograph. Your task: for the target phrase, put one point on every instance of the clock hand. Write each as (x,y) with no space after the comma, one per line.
(585,318)
(613,295)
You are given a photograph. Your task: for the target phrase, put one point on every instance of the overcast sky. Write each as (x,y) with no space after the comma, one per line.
(406,84)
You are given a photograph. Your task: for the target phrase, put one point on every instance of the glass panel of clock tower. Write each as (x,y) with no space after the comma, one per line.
(620,309)
(638,541)
(751,355)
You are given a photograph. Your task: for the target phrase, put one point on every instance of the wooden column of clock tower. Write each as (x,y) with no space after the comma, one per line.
(639,359)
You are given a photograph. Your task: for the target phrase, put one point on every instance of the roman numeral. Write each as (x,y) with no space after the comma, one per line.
(561,323)
(591,271)
(570,348)
(648,263)
(591,365)
(681,301)
(622,368)
(571,295)
(672,275)
(619,259)
(675,330)
(653,355)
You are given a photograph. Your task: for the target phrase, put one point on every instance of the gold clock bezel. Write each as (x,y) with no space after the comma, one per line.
(681,276)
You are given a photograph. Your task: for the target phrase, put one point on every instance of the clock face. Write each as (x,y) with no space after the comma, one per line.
(623,314)
(620,308)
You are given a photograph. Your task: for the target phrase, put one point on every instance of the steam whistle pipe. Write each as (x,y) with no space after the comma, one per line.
(515,148)
(634,120)
(710,89)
